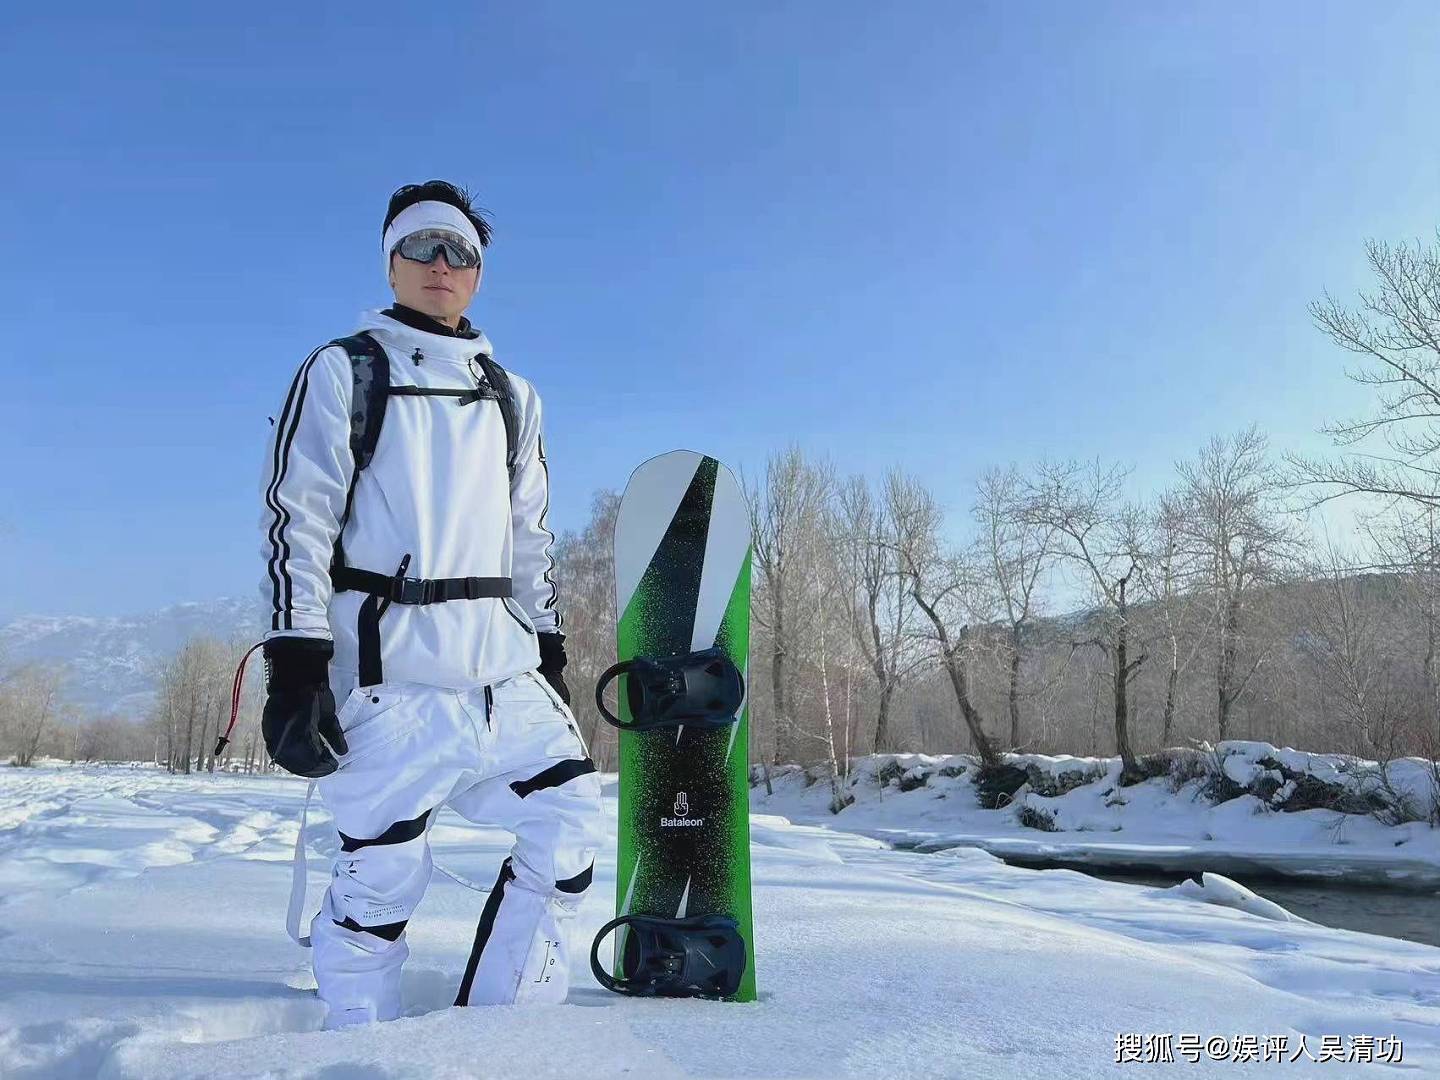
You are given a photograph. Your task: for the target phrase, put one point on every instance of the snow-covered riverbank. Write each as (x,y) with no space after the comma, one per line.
(1245,808)
(141,937)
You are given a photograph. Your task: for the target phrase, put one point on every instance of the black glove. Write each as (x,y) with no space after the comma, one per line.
(299,707)
(552,663)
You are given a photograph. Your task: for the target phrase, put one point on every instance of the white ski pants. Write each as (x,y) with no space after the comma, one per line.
(509,755)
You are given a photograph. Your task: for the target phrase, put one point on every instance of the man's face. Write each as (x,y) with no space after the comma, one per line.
(434,287)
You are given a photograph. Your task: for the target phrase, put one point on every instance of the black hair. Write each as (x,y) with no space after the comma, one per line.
(438,191)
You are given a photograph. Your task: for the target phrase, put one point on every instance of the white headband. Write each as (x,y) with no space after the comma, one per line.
(426,215)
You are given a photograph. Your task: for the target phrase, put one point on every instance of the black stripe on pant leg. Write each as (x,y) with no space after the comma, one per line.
(367,632)
(482,931)
(554,776)
(579,883)
(398,833)
(389,931)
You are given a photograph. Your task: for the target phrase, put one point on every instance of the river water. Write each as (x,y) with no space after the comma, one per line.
(1414,916)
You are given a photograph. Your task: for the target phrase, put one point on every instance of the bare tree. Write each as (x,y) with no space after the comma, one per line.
(1407,544)
(107,738)
(1167,588)
(194,695)
(586,577)
(1102,536)
(940,584)
(883,611)
(1343,639)
(1237,533)
(1395,331)
(786,513)
(30,708)
(1017,552)
(823,599)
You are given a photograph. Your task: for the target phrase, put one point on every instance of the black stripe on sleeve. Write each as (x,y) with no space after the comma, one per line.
(282,585)
(549,550)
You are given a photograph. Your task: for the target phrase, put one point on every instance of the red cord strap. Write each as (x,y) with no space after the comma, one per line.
(235,698)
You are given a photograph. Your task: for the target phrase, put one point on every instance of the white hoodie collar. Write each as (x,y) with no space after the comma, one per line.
(407,339)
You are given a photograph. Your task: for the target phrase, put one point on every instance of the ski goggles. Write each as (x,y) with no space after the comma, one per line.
(425,245)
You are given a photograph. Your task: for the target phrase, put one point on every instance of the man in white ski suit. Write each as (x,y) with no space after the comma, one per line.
(418,591)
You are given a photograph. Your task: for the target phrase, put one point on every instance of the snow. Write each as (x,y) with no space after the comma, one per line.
(1159,823)
(1218,889)
(141,936)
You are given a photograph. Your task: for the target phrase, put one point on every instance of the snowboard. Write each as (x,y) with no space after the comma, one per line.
(682,584)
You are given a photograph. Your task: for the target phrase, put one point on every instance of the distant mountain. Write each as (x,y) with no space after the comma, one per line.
(112,662)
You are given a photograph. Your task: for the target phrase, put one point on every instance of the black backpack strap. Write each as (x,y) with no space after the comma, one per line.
(371,369)
(499,381)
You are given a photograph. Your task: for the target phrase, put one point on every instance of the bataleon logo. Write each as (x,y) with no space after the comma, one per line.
(682,816)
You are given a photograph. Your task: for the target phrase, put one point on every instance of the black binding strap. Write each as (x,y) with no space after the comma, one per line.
(701,956)
(701,689)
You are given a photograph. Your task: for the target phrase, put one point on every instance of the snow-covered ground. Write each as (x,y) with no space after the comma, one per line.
(141,936)
(1165,823)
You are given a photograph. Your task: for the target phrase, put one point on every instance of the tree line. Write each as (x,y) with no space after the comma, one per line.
(179,730)
(1057,613)
(1049,610)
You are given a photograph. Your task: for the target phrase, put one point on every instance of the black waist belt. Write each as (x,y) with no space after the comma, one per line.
(385,589)
(409,590)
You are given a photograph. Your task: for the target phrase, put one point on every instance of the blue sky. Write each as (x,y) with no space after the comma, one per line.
(942,235)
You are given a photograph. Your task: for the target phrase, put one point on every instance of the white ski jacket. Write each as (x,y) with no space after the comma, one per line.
(437,489)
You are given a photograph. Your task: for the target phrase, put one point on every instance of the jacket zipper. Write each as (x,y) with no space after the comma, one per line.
(489,705)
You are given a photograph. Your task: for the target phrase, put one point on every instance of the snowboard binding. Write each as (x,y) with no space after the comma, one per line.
(702,956)
(700,689)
